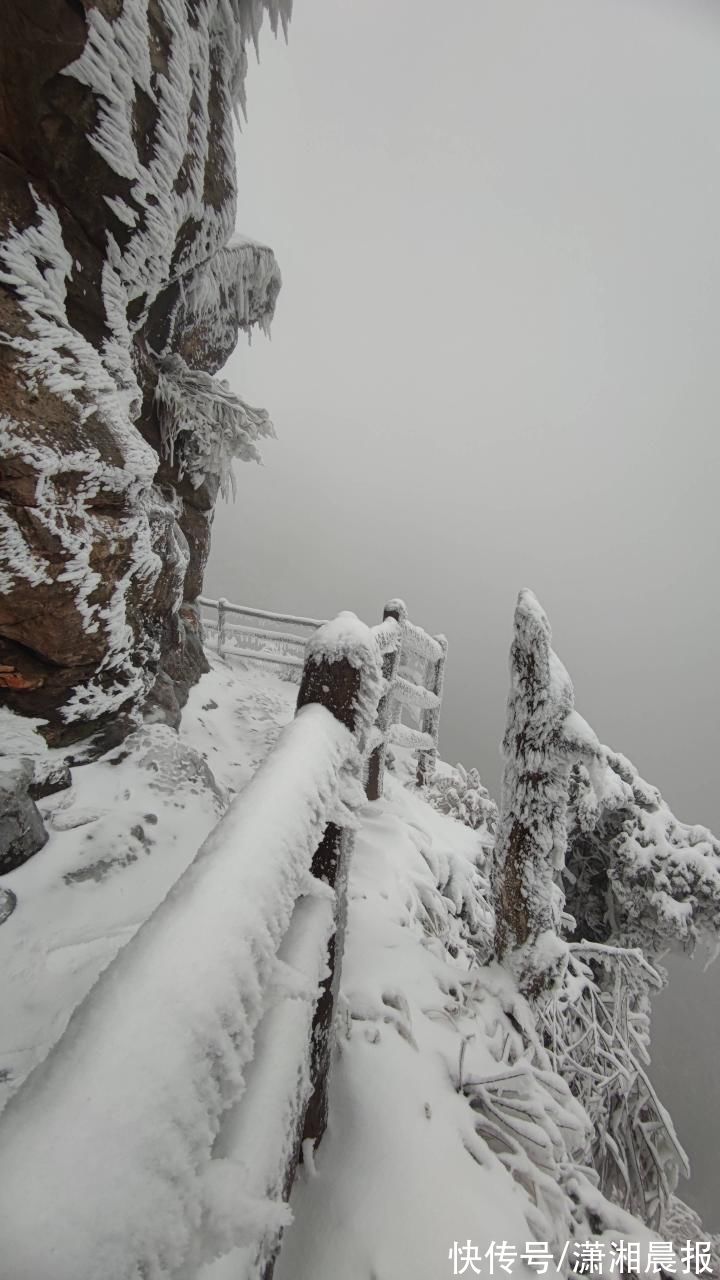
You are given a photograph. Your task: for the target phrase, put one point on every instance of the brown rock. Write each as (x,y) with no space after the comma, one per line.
(115,217)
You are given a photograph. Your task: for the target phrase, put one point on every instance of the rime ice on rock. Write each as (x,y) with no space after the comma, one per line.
(122,290)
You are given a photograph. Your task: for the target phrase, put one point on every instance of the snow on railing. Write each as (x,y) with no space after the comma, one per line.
(414,695)
(403,735)
(263,642)
(401,642)
(164,1128)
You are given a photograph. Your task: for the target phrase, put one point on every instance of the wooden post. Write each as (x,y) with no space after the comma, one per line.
(431,719)
(221,605)
(390,663)
(345,688)
(349,690)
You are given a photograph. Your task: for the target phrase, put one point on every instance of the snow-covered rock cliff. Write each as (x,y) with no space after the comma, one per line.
(122,292)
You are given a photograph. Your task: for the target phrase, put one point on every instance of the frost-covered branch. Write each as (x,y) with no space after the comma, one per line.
(597,1031)
(461,794)
(204,426)
(636,875)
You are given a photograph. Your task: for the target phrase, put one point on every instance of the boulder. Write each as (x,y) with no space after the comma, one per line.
(8,903)
(21,828)
(49,776)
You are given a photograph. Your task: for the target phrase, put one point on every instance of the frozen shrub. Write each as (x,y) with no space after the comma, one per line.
(461,794)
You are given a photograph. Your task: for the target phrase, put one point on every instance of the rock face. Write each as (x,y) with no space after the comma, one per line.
(122,291)
(8,903)
(21,828)
(49,777)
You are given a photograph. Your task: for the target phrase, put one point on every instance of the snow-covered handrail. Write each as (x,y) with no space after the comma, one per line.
(268,615)
(262,655)
(225,607)
(208,1028)
(397,639)
(413,695)
(286,637)
(388,635)
(431,716)
(419,642)
(403,735)
(273,617)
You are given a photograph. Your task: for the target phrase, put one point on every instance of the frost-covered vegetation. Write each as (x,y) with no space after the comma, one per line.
(594,878)
(204,426)
(461,794)
(533,1097)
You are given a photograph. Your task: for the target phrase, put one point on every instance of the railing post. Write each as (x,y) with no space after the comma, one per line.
(342,673)
(431,719)
(390,663)
(221,606)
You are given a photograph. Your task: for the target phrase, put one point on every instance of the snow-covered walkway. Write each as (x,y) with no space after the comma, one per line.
(439,1087)
(400,1174)
(119,839)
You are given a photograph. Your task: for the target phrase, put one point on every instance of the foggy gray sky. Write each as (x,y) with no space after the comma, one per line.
(494,365)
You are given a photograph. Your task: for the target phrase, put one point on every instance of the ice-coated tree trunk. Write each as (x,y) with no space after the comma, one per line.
(531,838)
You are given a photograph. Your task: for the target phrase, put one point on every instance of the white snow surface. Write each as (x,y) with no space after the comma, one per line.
(147,1078)
(104,1153)
(400,1174)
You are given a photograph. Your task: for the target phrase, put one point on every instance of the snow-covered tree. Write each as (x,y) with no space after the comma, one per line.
(577,820)
(532,836)
(580,828)
(635,875)
(461,794)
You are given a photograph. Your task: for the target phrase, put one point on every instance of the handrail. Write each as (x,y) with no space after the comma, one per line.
(285,637)
(197,1041)
(403,735)
(388,635)
(261,655)
(225,607)
(397,637)
(426,646)
(413,695)
(269,616)
(156,1064)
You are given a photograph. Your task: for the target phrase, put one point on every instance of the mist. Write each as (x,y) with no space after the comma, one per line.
(493,365)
